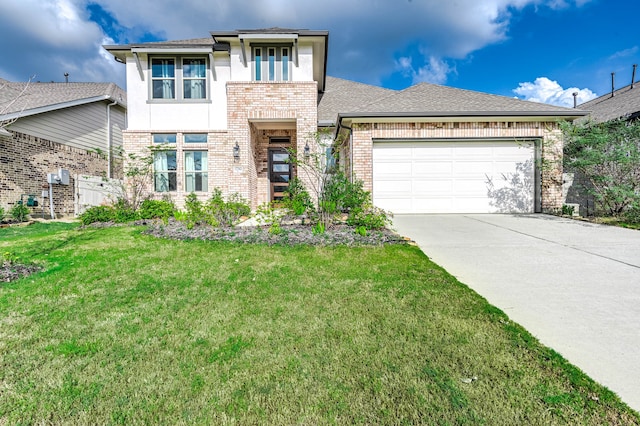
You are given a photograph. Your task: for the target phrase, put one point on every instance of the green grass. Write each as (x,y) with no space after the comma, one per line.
(123,328)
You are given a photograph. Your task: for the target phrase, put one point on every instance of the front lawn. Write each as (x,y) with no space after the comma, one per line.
(126,328)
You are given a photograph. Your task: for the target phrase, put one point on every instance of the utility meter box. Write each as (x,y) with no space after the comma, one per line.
(63,176)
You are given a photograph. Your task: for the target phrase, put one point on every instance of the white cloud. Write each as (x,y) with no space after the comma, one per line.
(548,91)
(434,70)
(624,53)
(45,36)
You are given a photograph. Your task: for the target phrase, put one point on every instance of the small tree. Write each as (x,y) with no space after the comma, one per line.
(318,170)
(608,155)
(332,191)
(138,178)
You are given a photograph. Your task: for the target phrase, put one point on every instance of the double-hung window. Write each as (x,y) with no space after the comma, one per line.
(196,174)
(272,63)
(179,78)
(194,73)
(165,166)
(163,78)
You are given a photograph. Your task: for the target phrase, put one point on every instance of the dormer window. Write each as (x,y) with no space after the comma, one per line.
(272,63)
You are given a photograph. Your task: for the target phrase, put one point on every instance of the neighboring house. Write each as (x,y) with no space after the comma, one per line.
(623,103)
(225,109)
(52,126)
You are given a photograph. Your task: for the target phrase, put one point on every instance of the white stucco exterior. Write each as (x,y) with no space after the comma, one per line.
(210,114)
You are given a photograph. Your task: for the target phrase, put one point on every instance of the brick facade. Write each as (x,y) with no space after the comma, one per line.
(361,147)
(256,111)
(25,162)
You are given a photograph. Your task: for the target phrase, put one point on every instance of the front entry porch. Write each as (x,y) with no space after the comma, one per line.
(271,143)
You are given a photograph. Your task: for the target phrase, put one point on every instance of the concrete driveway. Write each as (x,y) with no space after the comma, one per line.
(574,285)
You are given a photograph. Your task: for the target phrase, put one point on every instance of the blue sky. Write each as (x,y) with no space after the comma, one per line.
(541,50)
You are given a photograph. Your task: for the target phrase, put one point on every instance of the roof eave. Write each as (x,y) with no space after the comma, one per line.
(570,115)
(62,105)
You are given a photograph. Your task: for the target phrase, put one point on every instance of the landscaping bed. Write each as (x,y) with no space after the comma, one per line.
(286,234)
(12,271)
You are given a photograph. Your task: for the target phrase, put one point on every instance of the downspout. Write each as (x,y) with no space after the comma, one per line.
(109,142)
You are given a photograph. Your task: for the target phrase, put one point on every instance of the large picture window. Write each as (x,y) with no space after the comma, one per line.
(195,171)
(165,166)
(272,63)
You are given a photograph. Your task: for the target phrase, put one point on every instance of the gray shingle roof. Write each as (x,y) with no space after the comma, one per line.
(346,96)
(54,95)
(625,103)
(425,98)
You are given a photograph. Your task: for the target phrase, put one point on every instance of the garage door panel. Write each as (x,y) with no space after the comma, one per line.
(432,187)
(454,177)
(431,168)
(394,168)
(435,153)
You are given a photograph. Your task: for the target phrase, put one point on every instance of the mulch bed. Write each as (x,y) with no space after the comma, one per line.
(10,271)
(290,234)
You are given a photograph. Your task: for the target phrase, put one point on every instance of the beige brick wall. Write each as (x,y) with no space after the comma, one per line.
(363,135)
(25,162)
(281,109)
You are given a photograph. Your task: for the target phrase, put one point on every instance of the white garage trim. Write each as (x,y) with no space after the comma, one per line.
(456,176)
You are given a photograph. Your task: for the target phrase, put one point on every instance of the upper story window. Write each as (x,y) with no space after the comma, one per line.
(179,78)
(163,78)
(272,63)
(194,78)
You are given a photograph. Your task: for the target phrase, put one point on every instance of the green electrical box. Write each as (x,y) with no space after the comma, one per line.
(31,201)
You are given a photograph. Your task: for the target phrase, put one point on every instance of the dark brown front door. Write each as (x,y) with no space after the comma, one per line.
(279,172)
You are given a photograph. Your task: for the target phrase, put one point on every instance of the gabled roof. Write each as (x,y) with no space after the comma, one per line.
(44,97)
(624,104)
(344,96)
(425,99)
(349,99)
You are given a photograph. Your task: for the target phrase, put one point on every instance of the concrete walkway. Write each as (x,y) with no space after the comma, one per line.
(574,285)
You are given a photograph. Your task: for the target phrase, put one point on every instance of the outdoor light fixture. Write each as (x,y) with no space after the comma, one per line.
(307,150)
(236,151)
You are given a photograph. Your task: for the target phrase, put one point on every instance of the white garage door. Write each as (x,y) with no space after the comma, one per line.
(483,176)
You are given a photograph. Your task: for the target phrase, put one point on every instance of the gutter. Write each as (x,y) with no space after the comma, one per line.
(434,114)
(53,107)
(109,137)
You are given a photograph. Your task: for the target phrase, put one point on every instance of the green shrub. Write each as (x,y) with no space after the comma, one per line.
(156,209)
(2,214)
(98,214)
(226,213)
(124,212)
(195,214)
(19,212)
(345,195)
(567,210)
(369,218)
(632,213)
(296,198)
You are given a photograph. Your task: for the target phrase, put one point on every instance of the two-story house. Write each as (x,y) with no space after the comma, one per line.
(227,108)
